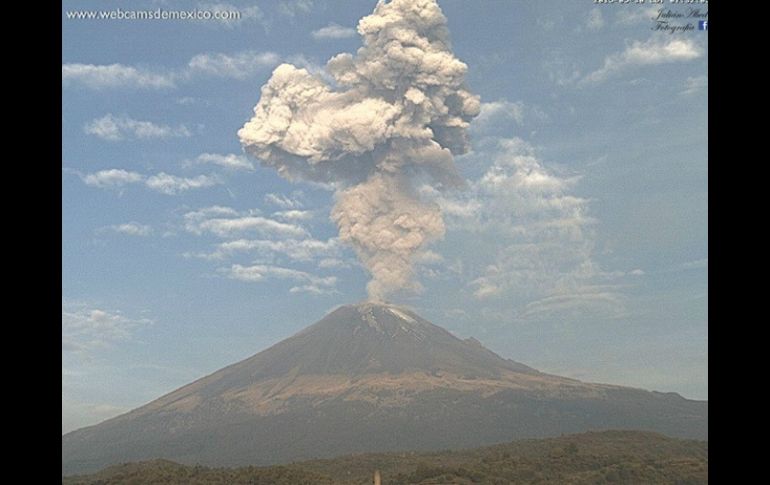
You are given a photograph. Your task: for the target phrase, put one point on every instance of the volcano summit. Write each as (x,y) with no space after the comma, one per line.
(368,377)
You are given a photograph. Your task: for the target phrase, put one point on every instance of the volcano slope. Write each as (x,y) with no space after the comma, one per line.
(369,377)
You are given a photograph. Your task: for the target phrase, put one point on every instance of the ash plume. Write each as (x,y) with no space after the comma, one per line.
(393,116)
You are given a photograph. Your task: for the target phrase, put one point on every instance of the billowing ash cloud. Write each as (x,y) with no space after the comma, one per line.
(396,114)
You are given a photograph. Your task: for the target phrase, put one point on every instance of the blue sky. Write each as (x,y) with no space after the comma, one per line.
(579,246)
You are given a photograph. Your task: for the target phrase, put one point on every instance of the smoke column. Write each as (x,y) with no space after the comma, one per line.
(392,118)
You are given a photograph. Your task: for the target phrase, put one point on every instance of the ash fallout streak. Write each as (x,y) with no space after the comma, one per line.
(390,120)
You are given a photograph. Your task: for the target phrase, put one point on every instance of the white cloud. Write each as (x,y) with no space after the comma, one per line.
(116,128)
(228,227)
(173,184)
(656,50)
(162,182)
(695,85)
(279,242)
(111,178)
(294,215)
(453,207)
(237,66)
(308,283)
(314,289)
(230,161)
(595,20)
(86,328)
(540,236)
(207,212)
(283,201)
(495,110)
(333,263)
(485,289)
(114,76)
(428,257)
(132,229)
(302,250)
(200,222)
(334,31)
(517,175)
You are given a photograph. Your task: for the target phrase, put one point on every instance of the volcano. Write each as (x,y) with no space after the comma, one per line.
(369,377)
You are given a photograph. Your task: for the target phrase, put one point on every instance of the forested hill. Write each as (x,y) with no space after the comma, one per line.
(587,458)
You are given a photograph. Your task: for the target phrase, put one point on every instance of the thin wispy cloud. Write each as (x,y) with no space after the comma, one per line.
(561,69)
(230,161)
(656,50)
(86,328)
(225,222)
(115,76)
(497,115)
(131,229)
(237,66)
(334,31)
(119,128)
(191,101)
(293,8)
(494,110)
(294,215)
(280,240)
(695,85)
(300,250)
(604,304)
(307,283)
(283,201)
(544,234)
(595,20)
(259,224)
(111,178)
(174,184)
(333,263)
(161,182)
